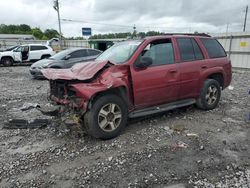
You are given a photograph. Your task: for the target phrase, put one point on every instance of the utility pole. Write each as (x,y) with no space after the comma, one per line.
(245,20)
(134,32)
(56,7)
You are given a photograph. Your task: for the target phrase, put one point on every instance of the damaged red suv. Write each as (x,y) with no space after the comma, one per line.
(141,77)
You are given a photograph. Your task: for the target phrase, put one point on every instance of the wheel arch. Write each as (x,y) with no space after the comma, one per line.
(218,77)
(3,57)
(120,91)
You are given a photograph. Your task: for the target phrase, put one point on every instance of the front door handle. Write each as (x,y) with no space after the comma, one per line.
(173,70)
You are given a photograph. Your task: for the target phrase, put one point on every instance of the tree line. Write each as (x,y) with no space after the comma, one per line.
(52,33)
(126,35)
(26,29)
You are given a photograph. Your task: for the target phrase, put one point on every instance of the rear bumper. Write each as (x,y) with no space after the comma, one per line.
(228,75)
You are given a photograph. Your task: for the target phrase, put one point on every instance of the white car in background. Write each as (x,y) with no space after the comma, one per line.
(26,53)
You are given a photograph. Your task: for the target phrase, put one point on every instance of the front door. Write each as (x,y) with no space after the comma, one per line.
(17,54)
(158,83)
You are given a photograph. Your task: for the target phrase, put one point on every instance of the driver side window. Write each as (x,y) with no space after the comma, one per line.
(161,52)
(18,49)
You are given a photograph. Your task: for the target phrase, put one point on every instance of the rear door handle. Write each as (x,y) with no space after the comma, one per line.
(173,70)
(204,66)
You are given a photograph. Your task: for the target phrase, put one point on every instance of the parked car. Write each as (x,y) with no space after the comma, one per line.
(26,53)
(64,59)
(142,77)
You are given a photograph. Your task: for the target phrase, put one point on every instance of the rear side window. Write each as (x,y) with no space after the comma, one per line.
(197,51)
(186,49)
(35,48)
(93,52)
(78,54)
(213,47)
(189,49)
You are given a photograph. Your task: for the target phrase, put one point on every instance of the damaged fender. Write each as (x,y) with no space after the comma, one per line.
(112,78)
(85,81)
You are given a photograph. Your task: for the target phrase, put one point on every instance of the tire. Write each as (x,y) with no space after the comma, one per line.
(210,95)
(7,61)
(103,111)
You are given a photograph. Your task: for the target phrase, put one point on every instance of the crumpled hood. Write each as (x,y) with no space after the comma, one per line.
(80,71)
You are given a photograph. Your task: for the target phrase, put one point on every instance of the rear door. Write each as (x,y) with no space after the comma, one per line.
(158,83)
(36,52)
(190,66)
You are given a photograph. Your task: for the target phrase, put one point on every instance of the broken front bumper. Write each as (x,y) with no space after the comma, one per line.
(61,93)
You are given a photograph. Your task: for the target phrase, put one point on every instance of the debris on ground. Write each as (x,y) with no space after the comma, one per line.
(180,144)
(192,135)
(26,124)
(28,106)
(142,156)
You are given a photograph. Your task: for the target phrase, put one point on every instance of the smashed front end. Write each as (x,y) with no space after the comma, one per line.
(63,94)
(75,88)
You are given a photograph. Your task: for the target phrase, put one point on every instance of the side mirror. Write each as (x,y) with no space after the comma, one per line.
(144,62)
(67,57)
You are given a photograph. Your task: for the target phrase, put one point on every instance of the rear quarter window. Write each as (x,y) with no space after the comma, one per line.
(213,47)
(35,48)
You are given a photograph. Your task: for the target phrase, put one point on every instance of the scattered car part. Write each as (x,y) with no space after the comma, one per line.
(25,124)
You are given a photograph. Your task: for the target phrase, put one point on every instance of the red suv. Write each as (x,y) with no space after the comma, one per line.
(141,77)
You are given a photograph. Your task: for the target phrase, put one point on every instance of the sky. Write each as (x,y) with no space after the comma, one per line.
(108,16)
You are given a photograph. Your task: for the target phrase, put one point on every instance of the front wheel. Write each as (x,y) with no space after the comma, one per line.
(7,61)
(107,117)
(210,95)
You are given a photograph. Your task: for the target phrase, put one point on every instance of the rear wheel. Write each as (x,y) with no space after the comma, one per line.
(210,95)
(107,117)
(7,61)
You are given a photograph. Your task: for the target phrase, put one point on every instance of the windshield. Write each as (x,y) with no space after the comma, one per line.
(120,52)
(11,48)
(60,55)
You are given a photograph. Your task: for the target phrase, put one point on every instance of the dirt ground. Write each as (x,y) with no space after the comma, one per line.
(181,148)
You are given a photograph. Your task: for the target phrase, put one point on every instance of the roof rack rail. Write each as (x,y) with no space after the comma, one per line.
(189,34)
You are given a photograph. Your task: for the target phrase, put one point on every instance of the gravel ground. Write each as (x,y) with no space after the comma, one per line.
(181,148)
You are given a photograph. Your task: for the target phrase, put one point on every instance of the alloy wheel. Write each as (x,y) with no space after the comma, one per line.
(109,117)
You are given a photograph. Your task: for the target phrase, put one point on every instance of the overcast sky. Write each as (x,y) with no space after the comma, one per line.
(105,16)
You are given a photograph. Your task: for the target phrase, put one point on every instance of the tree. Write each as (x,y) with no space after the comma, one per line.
(36,32)
(51,33)
(26,29)
(23,28)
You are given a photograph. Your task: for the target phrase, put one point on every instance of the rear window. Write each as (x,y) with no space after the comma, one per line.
(213,47)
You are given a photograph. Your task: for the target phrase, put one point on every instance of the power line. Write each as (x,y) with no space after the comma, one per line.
(118,25)
(96,23)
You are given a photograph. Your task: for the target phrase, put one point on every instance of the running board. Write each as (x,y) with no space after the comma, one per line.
(161,108)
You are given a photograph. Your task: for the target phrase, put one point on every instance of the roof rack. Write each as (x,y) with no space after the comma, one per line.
(189,34)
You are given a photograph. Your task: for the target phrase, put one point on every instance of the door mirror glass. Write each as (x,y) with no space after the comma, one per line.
(144,62)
